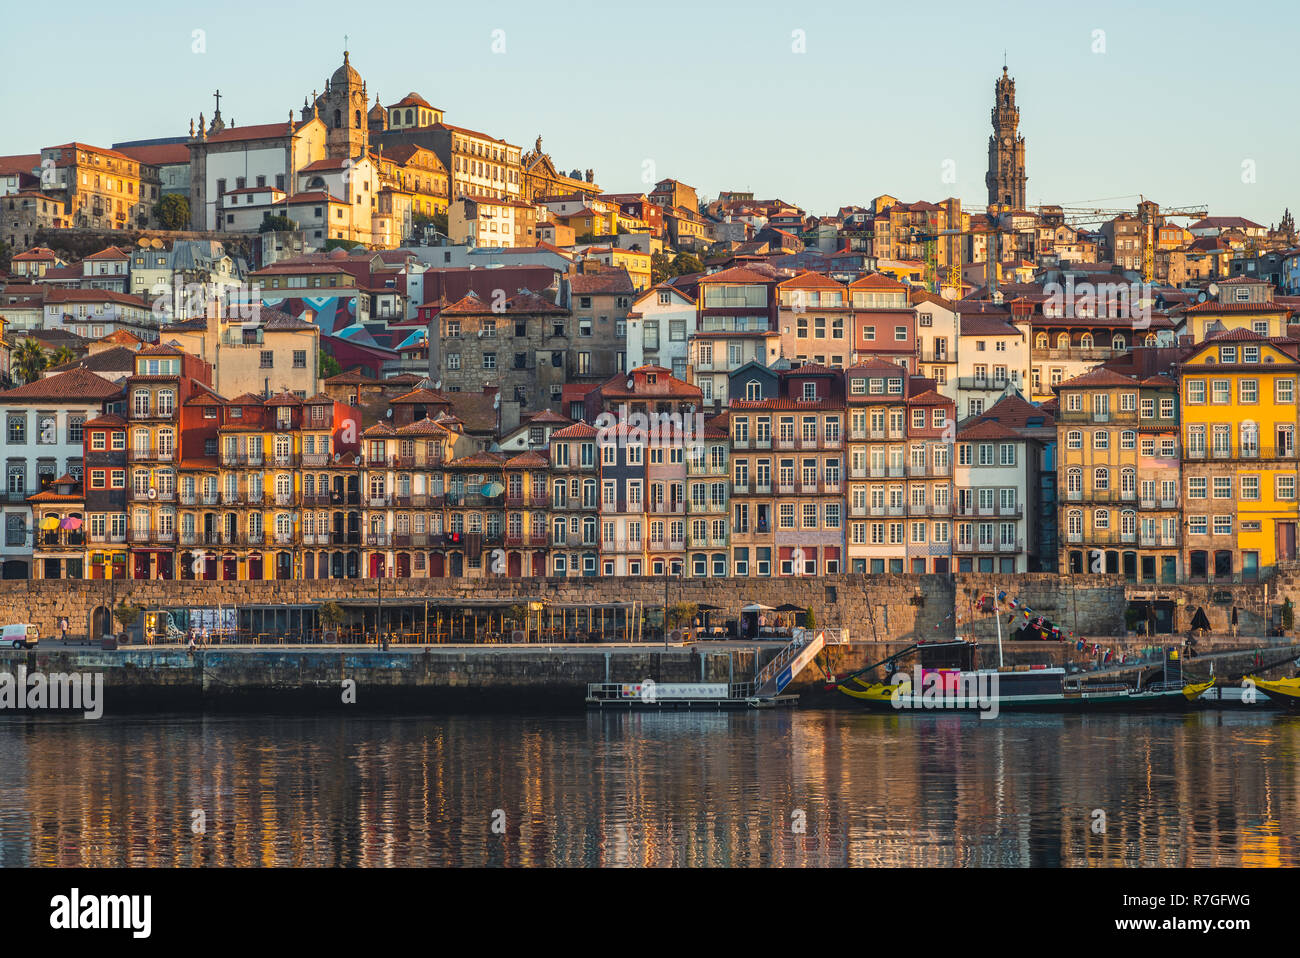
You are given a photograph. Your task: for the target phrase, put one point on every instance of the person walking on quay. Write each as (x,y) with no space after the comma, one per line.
(1233,628)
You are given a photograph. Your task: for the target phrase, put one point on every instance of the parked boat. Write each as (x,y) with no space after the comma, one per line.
(1285,692)
(945,677)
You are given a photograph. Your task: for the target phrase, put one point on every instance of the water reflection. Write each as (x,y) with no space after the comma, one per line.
(793,789)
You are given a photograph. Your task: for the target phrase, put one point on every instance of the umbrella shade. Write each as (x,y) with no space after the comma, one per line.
(49,523)
(491,489)
(705,607)
(787,607)
(757,607)
(1200,620)
(71,522)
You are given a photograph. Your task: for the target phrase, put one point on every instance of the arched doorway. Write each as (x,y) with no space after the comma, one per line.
(255,565)
(100,622)
(515,565)
(437,565)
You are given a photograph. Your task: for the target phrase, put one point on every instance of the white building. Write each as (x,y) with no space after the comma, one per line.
(992,362)
(937,342)
(659,329)
(995,499)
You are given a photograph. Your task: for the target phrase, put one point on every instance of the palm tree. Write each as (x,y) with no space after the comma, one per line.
(62,356)
(29,360)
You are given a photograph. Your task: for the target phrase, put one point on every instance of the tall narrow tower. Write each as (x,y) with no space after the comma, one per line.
(1006,176)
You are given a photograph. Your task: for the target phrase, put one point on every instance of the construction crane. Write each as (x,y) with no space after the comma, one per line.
(1148,213)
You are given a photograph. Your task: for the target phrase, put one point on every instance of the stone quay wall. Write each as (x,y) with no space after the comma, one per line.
(872,607)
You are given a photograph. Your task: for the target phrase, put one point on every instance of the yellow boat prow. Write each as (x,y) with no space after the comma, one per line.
(1282,688)
(876,692)
(1196,690)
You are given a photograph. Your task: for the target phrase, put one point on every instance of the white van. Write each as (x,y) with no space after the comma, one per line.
(20,636)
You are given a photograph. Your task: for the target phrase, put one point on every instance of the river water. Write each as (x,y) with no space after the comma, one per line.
(789,788)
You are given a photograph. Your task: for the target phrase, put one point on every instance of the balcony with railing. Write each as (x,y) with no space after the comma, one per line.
(1090,416)
(989,383)
(1158,540)
(137,535)
(255,459)
(694,468)
(140,413)
(929,509)
(151,454)
(61,539)
(153,495)
(1246,452)
(997,546)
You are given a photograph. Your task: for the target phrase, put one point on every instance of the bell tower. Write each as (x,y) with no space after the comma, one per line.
(343,107)
(1006,176)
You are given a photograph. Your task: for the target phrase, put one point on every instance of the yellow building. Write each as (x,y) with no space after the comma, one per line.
(1240,303)
(635,262)
(1238,395)
(1118,469)
(419,172)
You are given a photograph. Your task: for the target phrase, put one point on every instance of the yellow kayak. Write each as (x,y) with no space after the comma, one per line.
(1284,690)
(1195,691)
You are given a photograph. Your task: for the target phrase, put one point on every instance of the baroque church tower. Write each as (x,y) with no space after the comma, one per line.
(1006,176)
(344,110)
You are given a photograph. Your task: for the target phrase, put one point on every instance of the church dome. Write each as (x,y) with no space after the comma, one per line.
(345,75)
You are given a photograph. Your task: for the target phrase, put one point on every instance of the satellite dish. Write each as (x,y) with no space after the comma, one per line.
(631,383)
(1213,289)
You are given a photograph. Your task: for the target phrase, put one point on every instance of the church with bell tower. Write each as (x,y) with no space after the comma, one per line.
(1006,176)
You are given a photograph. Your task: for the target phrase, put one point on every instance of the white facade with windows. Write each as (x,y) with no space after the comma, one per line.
(659,329)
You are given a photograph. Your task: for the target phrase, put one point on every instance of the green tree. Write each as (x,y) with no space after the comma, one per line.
(684,263)
(62,356)
(328,366)
(279,223)
(661,268)
(29,361)
(332,615)
(127,614)
(173,211)
(809,619)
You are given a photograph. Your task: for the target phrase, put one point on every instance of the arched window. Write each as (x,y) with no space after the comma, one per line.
(1074,522)
(397,117)
(1150,340)
(753,390)
(357,118)
(1128,481)
(408,116)
(1127,522)
(1118,343)
(1074,439)
(1101,519)
(1085,341)
(1101,479)
(338,120)
(1063,341)
(1041,341)
(1074,480)
(1127,439)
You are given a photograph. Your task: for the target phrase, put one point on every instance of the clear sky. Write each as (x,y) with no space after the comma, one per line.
(1169,100)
